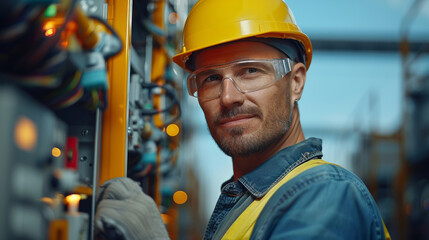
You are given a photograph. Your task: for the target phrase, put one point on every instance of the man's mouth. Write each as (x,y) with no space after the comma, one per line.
(235,120)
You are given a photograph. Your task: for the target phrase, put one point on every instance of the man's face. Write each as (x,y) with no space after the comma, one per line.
(243,124)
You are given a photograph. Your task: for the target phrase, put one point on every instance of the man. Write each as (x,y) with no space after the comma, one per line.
(247,61)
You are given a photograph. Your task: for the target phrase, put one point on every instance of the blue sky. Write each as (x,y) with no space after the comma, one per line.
(345,91)
(358,19)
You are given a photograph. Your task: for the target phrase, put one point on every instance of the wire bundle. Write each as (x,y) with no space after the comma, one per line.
(171,94)
(39,63)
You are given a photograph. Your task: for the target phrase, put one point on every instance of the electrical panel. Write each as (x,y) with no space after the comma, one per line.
(63,102)
(31,169)
(154,128)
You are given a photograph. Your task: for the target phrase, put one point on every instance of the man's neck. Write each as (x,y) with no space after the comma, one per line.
(293,136)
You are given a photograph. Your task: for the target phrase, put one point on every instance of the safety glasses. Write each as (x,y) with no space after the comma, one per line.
(248,75)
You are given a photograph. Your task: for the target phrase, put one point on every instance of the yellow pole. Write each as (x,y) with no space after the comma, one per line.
(114,137)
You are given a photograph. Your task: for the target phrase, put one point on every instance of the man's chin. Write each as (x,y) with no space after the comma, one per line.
(235,145)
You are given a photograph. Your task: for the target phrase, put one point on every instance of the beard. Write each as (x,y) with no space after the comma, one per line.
(238,144)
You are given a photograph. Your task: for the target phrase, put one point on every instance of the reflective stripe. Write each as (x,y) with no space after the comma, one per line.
(242,227)
(386,233)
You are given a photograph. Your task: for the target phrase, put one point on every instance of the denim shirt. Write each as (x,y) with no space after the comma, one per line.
(325,202)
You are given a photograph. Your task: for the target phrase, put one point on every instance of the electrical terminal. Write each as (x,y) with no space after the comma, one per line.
(94,75)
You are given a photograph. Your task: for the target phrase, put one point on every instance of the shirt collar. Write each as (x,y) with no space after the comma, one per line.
(259,181)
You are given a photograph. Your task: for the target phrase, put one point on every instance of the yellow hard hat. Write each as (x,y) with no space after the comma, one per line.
(213,22)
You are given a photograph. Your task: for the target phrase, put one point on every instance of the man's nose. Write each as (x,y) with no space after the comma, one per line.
(230,96)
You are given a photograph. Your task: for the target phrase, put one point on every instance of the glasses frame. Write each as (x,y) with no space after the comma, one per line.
(282,66)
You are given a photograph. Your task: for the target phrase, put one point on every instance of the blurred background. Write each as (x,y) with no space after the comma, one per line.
(88,93)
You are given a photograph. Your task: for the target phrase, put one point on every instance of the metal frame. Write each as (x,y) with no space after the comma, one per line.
(115,118)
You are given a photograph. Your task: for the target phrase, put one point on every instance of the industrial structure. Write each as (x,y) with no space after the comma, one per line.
(88,93)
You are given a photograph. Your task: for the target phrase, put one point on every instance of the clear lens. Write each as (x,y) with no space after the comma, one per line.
(248,75)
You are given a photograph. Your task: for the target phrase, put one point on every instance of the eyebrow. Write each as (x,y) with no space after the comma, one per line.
(207,72)
(255,64)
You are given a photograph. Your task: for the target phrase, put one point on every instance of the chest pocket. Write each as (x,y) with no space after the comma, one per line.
(243,226)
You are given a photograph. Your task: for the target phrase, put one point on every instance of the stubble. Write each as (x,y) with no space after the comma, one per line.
(236,143)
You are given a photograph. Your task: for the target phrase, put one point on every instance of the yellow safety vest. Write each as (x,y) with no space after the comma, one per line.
(242,227)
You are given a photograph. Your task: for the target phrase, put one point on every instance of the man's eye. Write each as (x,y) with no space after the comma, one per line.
(252,70)
(205,80)
(212,78)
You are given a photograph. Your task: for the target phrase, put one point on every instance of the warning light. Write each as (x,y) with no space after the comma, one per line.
(56,152)
(72,198)
(51,11)
(70,29)
(173,18)
(25,134)
(73,202)
(49,28)
(50,32)
(172,130)
(180,197)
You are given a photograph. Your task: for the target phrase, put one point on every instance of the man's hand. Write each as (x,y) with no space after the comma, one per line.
(124,212)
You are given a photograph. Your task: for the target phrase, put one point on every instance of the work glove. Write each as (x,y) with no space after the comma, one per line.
(124,212)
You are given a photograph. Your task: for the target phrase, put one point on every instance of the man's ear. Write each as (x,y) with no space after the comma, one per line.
(298,77)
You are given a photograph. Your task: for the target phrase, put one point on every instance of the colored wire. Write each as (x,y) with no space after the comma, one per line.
(49,75)
(71,100)
(53,63)
(19,36)
(70,83)
(62,98)
(52,41)
(91,100)
(169,93)
(66,93)
(31,80)
(47,65)
(95,99)
(14,28)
